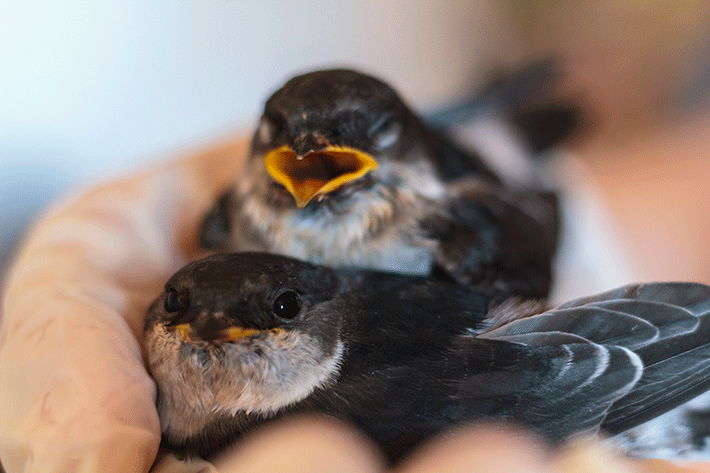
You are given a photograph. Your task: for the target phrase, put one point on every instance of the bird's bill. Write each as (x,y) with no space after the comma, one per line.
(317,172)
(229,334)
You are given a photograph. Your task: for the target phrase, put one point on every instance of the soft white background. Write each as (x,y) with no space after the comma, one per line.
(91,89)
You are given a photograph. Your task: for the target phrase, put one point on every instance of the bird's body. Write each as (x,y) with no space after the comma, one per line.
(237,339)
(341,172)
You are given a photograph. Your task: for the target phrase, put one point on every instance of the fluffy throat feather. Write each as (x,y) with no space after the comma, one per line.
(397,193)
(290,374)
(241,381)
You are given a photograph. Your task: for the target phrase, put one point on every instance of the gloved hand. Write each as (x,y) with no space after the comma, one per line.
(74,391)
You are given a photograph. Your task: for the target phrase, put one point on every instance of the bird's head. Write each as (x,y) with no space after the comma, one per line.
(239,334)
(326,133)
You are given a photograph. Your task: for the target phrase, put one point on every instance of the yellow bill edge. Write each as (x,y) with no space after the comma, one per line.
(184,330)
(230,334)
(235,333)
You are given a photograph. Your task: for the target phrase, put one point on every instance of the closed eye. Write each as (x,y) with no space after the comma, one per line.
(385,132)
(269,128)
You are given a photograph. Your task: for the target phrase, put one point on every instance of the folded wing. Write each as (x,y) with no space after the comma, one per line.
(663,327)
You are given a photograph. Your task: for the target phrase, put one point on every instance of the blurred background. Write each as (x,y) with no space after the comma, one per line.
(93,90)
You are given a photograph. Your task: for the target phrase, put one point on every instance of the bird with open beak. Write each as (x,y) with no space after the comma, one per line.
(238,339)
(341,172)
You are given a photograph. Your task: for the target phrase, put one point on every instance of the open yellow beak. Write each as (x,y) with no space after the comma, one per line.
(229,334)
(317,172)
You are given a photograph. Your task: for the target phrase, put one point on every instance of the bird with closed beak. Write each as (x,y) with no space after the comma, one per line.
(236,340)
(342,172)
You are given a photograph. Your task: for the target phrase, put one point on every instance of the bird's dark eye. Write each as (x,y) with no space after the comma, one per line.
(287,305)
(172,301)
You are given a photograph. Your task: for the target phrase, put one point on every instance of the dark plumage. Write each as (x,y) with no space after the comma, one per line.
(236,339)
(341,172)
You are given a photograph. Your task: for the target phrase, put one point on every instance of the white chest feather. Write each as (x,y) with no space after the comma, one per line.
(378,228)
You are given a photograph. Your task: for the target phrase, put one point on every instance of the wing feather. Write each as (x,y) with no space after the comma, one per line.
(665,325)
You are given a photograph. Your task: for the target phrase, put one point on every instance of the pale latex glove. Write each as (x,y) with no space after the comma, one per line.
(74,392)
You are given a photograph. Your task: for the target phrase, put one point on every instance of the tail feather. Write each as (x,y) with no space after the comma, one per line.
(528,99)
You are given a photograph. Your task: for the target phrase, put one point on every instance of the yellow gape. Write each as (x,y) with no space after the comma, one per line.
(317,172)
